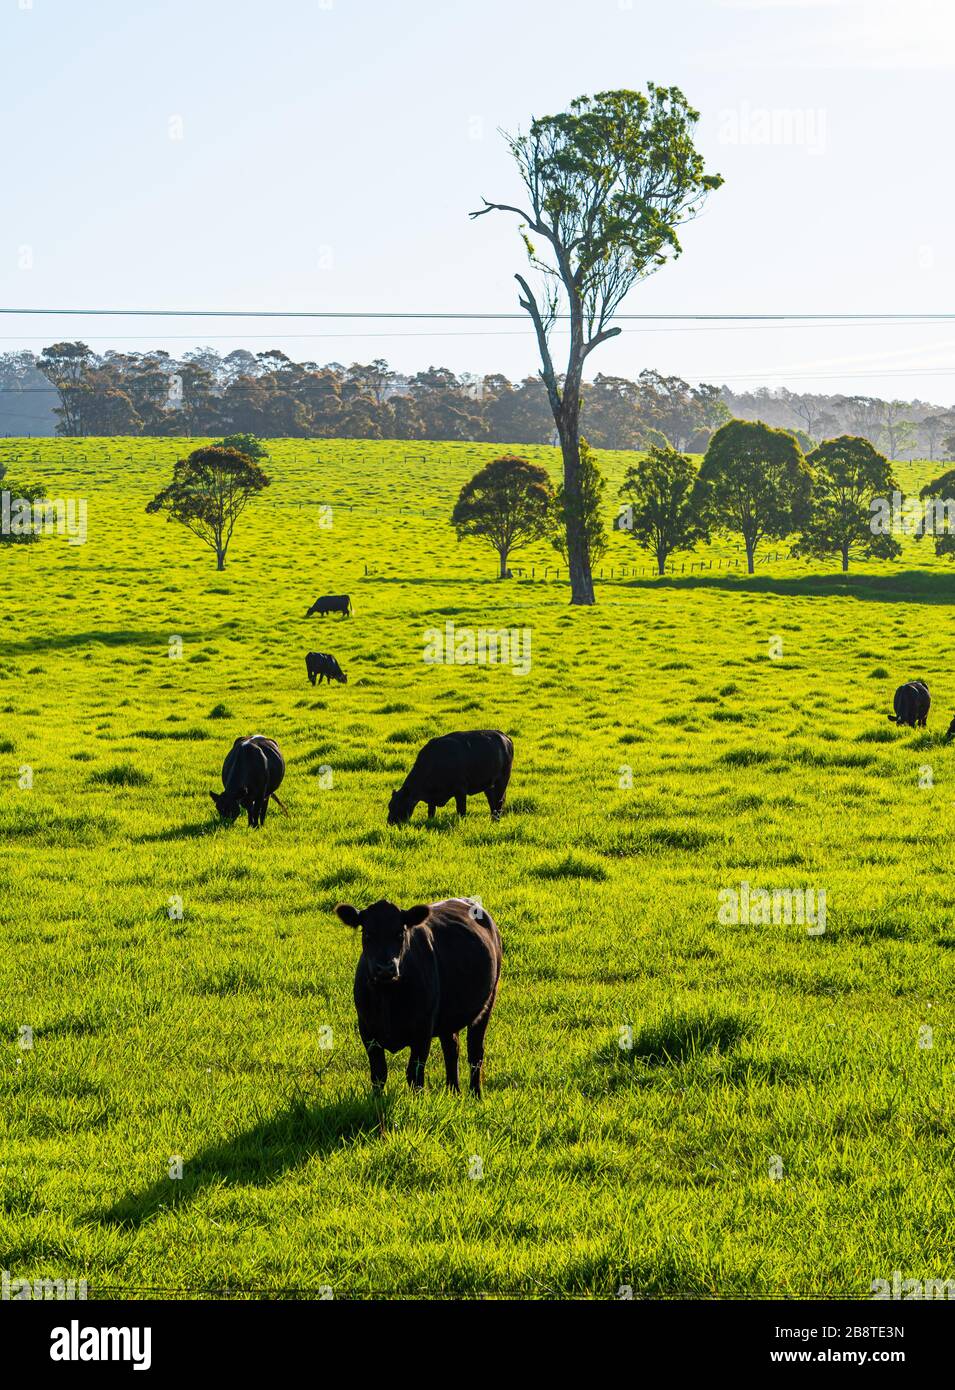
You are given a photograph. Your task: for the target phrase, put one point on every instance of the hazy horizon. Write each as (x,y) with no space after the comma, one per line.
(326,157)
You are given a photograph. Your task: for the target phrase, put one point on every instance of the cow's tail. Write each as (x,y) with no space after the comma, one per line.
(280,805)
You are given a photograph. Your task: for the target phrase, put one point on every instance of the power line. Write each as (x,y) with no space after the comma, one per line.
(944,317)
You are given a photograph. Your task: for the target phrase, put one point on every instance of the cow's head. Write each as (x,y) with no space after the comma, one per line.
(385,933)
(227,806)
(339,675)
(951,732)
(400,808)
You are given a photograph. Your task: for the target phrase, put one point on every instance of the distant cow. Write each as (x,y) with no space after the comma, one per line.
(325,667)
(253,770)
(423,973)
(458,766)
(911,705)
(331,603)
(951,732)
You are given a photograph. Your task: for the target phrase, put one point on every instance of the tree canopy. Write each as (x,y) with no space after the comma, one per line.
(848,474)
(210,490)
(663,511)
(507,503)
(755,481)
(247,444)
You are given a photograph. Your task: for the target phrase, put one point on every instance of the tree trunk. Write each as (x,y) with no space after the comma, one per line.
(661,563)
(578,558)
(750,551)
(503,558)
(845,558)
(220,559)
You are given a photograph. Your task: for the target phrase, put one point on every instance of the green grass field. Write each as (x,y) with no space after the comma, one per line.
(779,1126)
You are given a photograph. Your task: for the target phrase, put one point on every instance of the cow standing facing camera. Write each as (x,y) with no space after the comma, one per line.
(425,972)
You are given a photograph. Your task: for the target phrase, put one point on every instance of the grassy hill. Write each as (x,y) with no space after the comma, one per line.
(672,1103)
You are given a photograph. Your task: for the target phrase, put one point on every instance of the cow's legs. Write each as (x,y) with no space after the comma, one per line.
(263,807)
(449,1046)
(419,1055)
(476,1050)
(311,676)
(377,1062)
(461,802)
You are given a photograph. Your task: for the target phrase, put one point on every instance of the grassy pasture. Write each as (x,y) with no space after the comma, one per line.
(775,1129)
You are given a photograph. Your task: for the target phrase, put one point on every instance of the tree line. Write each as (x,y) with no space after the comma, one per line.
(74,391)
(754,482)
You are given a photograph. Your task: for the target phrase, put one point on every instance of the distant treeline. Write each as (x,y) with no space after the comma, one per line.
(68,389)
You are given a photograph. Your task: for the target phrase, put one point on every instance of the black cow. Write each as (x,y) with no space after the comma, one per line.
(911,705)
(253,770)
(324,666)
(331,603)
(459,766)
(423,973)
(951,732)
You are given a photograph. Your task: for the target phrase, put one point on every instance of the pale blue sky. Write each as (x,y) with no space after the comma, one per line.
(330,153)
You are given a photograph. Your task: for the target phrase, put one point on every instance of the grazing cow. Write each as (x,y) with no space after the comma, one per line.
(331,603)
(253,770)
(459,766)
(911,705)
(423,973)
(324,666)
(951,732)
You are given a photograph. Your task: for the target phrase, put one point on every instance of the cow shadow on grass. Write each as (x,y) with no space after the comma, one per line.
(635,1056)
(258,1156)
(923,586)
(63,641)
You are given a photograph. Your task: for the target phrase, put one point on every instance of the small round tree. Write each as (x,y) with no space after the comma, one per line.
(209,492)
(849,474)
(663,506)
(754,481)
(248,444)
(507,503)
